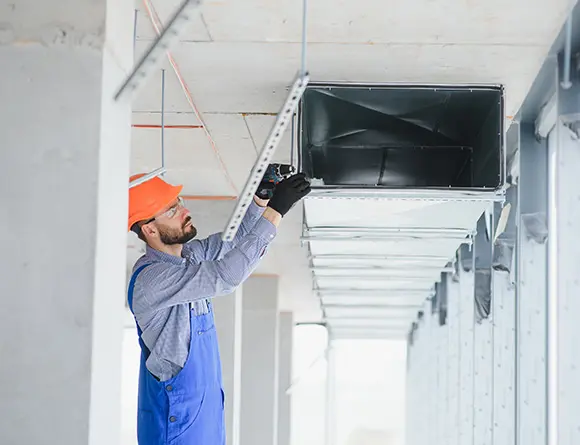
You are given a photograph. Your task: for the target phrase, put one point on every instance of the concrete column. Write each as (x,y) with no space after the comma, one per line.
(563,305)
(63,191)
(228,321)
(532,290)
(260,333)
(286,329)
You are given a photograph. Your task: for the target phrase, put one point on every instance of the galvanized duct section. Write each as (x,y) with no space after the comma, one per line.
(401,175)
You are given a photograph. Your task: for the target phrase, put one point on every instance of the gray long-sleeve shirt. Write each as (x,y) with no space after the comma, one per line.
(169,287)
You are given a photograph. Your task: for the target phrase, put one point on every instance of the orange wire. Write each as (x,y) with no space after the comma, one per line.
(156,22)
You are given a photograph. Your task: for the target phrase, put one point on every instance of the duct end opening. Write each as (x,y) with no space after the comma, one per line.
(353,136)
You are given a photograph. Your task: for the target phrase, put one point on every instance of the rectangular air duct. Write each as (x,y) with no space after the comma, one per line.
(401,174)
(402,137)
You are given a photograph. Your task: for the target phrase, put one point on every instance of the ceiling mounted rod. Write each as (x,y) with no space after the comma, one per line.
(162,170)
(303,70)
(157,26)
(135,19)
(162,118)
(292,147)
(153,56)
(284,116)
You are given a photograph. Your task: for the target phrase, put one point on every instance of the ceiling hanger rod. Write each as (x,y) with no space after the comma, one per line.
(283,118)
(162,118)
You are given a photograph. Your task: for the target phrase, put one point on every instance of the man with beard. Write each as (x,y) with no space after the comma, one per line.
(181,400)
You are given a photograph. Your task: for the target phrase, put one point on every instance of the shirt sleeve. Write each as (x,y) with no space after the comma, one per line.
(213,248)
(161,287)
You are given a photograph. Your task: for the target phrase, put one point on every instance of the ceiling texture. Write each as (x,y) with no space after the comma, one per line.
(399,173)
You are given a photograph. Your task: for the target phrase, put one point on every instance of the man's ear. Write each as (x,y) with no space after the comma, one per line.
(148,229)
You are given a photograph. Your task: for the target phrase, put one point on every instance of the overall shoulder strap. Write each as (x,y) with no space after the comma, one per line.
(130,302)
(132,286)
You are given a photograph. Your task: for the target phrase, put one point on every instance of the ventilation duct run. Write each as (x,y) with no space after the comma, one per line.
(427,137)
(400,176)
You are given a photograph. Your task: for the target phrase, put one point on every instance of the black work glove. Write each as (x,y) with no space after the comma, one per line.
(275,173)
(289,192)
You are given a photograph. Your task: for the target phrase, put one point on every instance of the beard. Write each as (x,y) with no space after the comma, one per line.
(178,236)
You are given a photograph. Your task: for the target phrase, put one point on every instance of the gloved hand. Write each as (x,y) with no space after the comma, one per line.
(275,173)
(289,192)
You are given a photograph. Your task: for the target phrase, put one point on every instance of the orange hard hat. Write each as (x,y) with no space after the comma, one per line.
(149,198)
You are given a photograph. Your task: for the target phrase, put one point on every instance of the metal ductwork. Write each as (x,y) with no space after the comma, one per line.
(401,174)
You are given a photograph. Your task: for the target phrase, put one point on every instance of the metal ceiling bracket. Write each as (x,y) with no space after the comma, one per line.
(153,56)
(266,154)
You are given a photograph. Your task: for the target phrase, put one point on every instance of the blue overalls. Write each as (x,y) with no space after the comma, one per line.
(189,407)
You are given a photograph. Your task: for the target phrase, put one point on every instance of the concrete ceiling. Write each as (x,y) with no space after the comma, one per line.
(238,58)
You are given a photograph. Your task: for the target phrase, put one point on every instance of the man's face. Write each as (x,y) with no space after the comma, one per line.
(174,224)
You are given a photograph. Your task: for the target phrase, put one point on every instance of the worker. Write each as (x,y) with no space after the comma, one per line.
(180,396)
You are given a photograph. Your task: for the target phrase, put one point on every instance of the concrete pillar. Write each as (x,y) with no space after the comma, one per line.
(63,191)
(228,321)
(260,333)
(286,329)
(563,361)
(532,290)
